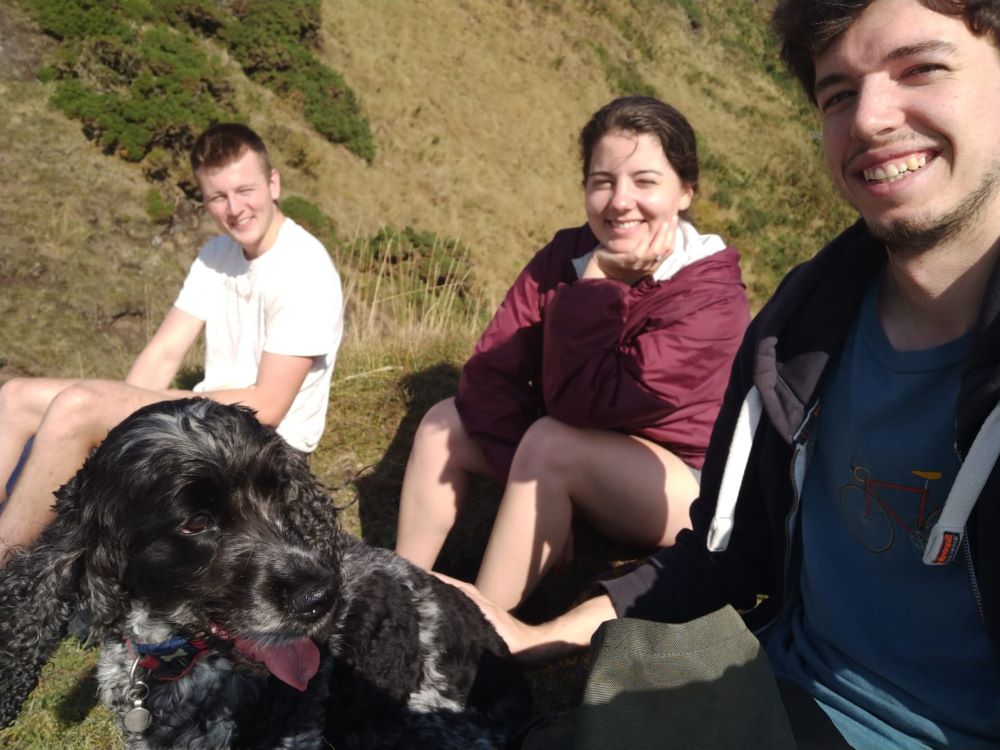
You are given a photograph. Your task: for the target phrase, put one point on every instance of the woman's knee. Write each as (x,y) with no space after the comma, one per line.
(550,446)
(437,429)
(441,439)
(441,420)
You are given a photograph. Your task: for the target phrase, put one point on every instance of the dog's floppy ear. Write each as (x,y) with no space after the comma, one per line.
(310,508)
(105,558)
(77,560)
(39,590)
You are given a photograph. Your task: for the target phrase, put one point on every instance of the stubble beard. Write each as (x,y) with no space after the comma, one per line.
(915,236)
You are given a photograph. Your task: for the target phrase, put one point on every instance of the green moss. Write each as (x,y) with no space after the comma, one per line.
(310,216)
(135,74)
(140,91)
(158,210)
(200,15)
(80,19)
(272,43)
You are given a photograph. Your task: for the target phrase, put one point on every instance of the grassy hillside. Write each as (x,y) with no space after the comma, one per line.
(474,109)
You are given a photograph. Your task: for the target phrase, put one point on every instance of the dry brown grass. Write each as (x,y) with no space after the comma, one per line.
(79,278)
(476,107)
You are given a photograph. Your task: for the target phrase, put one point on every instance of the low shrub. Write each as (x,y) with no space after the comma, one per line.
(158,209)
(136,76)
(271,43)
(310,216)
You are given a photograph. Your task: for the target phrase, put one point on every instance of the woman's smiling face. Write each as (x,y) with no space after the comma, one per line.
(631,190)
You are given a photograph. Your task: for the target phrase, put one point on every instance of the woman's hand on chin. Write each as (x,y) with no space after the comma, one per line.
(641,261)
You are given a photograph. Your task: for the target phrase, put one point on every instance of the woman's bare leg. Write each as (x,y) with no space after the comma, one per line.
(628,488)
(437,475)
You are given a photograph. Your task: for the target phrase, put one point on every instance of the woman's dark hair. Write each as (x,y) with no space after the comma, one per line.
(806,28)
(644,114)
(224,143)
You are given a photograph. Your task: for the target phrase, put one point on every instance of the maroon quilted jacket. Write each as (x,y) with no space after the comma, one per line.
(650,359)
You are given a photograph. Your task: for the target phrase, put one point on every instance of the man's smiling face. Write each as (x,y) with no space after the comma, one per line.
(240,197)
(908,98)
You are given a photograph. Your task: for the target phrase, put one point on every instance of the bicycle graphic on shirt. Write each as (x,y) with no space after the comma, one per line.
(871,518)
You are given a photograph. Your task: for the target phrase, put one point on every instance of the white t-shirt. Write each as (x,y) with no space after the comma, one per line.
(287,301)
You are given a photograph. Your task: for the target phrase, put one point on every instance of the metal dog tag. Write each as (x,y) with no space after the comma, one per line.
(138,718)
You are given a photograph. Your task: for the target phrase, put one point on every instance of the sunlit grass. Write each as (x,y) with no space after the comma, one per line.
(403,304)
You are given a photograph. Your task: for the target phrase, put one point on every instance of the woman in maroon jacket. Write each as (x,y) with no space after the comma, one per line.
(594,388)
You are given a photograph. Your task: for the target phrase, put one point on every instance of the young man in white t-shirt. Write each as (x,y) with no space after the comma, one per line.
(269,299)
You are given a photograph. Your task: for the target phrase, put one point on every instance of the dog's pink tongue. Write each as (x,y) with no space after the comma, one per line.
(293,663)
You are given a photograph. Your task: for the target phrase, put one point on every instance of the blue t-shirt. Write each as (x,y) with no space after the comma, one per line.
(895,651)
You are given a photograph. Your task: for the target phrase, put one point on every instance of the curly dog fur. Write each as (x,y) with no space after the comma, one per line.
(193,520)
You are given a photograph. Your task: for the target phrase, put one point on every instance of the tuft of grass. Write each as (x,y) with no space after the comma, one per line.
(158,210)
(408,291)
(694,12)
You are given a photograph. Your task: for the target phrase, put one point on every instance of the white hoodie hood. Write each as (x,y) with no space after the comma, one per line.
(690,246)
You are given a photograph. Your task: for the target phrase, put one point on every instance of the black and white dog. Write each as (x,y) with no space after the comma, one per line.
(233,613)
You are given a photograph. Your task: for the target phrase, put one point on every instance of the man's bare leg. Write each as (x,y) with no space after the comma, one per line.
(23,403)
(78,419)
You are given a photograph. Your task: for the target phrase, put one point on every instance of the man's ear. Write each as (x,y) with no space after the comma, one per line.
(275,185)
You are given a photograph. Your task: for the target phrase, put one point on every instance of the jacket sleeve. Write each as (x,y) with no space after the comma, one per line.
(498,396)
(686,581)
(625,358)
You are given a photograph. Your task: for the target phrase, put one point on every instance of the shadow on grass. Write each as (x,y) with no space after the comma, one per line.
(378,507)
(80,700)
(188,377)
(558,685)
(378,489)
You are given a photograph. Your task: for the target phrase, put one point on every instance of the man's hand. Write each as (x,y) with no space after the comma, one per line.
(537,644)
(521,638)
(641,261)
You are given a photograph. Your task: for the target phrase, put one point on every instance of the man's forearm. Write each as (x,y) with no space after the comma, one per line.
(570,632)
(152,372)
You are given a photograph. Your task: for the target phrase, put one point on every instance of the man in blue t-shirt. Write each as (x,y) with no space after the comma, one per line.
(849,496)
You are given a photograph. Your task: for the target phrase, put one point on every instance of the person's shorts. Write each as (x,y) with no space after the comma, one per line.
(696,473)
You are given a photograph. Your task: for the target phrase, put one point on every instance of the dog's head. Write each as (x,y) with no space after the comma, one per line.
(207,520)
(190,518)
(212,516)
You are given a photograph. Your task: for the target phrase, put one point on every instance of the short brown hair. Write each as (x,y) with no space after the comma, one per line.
(644,114)
(224,143)
(807,28)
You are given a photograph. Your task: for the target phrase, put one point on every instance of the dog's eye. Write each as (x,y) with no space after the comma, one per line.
(196,524)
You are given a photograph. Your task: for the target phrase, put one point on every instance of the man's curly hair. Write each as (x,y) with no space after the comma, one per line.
(807,28)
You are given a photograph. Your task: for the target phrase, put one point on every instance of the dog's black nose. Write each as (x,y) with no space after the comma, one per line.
(312,601)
